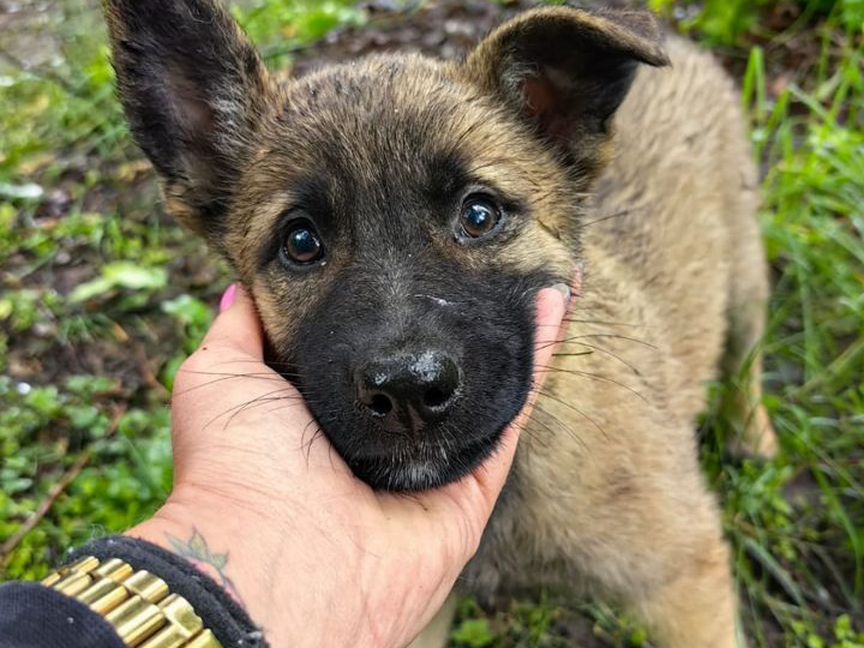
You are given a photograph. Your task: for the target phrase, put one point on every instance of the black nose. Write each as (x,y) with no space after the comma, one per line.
(411,389)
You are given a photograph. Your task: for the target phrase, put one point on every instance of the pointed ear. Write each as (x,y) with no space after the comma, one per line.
(194,91)
(567,71)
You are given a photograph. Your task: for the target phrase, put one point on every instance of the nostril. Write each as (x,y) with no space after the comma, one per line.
(381,404)
(435,397)
(408,389)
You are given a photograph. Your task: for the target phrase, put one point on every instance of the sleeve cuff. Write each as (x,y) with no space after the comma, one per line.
(219,612)
(34,616)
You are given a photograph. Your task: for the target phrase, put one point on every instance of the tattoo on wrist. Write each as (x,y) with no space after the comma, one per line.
(196,551)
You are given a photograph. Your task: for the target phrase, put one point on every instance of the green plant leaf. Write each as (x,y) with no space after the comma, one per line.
(121,275)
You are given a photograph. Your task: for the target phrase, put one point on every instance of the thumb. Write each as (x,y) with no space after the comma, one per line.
(234,345)
(476,495)
(237,329)
(552,305)
(225,372)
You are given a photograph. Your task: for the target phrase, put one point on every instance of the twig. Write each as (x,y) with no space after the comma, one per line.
(65,481)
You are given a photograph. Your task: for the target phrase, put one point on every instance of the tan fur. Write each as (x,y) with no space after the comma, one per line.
(618,503)
(509,158)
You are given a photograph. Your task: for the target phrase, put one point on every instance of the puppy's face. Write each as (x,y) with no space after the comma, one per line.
(394,219)
(394,238)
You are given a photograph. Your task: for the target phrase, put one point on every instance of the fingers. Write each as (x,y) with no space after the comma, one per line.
(552,306)
(475,497)
(232,349)
(237,329)
(230,408)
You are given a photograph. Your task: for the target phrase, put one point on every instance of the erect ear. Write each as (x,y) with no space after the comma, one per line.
(567,71)
(194,91)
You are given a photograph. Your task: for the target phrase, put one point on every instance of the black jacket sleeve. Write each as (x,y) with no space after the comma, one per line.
(35,616)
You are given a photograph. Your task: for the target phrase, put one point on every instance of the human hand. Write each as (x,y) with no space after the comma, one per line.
(268,509)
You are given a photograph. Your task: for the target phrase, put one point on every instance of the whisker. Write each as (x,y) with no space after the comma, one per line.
(262,376)
(603,219)
(555,398)
(316,434)
(575,338)
(571,320)
(604,351)
(572,355)
(566,428)
(525,430)
(595,376)
(264,398)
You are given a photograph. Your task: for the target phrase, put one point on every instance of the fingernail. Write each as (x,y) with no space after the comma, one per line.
(228,298)
(565,290)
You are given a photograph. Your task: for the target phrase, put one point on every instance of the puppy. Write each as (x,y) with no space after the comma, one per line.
(394,218)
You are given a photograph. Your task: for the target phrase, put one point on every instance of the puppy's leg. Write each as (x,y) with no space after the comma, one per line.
(743,409)
(435,634)
(696,607)
(661,552)
(742,364)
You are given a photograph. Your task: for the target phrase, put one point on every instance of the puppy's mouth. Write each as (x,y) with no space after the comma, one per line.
(433,447)
(432,455)
(414,396)
(424,465)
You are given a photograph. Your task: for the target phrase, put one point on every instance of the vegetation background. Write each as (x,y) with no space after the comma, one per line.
(101,297)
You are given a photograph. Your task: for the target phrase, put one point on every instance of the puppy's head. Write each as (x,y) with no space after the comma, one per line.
(394,218)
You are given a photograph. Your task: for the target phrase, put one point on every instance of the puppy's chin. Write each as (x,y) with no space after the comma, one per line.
(424,466)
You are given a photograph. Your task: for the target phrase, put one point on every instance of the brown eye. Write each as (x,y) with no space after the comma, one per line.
(302,245)
(479,216)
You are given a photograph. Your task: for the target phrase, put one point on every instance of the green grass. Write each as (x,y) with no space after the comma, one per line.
(798,523)
(84,286)
(101,297)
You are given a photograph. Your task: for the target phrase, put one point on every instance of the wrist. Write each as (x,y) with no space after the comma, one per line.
(140,607)
(192,540)
(152,597)
(271,566)
(221,547)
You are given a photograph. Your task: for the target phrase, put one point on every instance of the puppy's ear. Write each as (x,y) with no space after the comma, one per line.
(566,72)
(194,91)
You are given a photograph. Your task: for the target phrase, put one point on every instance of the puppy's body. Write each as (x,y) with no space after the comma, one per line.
(614,500)
(394,220)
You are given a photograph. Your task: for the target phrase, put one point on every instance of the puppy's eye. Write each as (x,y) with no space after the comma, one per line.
(479,216)
(302,245)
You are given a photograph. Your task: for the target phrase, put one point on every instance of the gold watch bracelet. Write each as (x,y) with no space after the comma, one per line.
(137,604)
